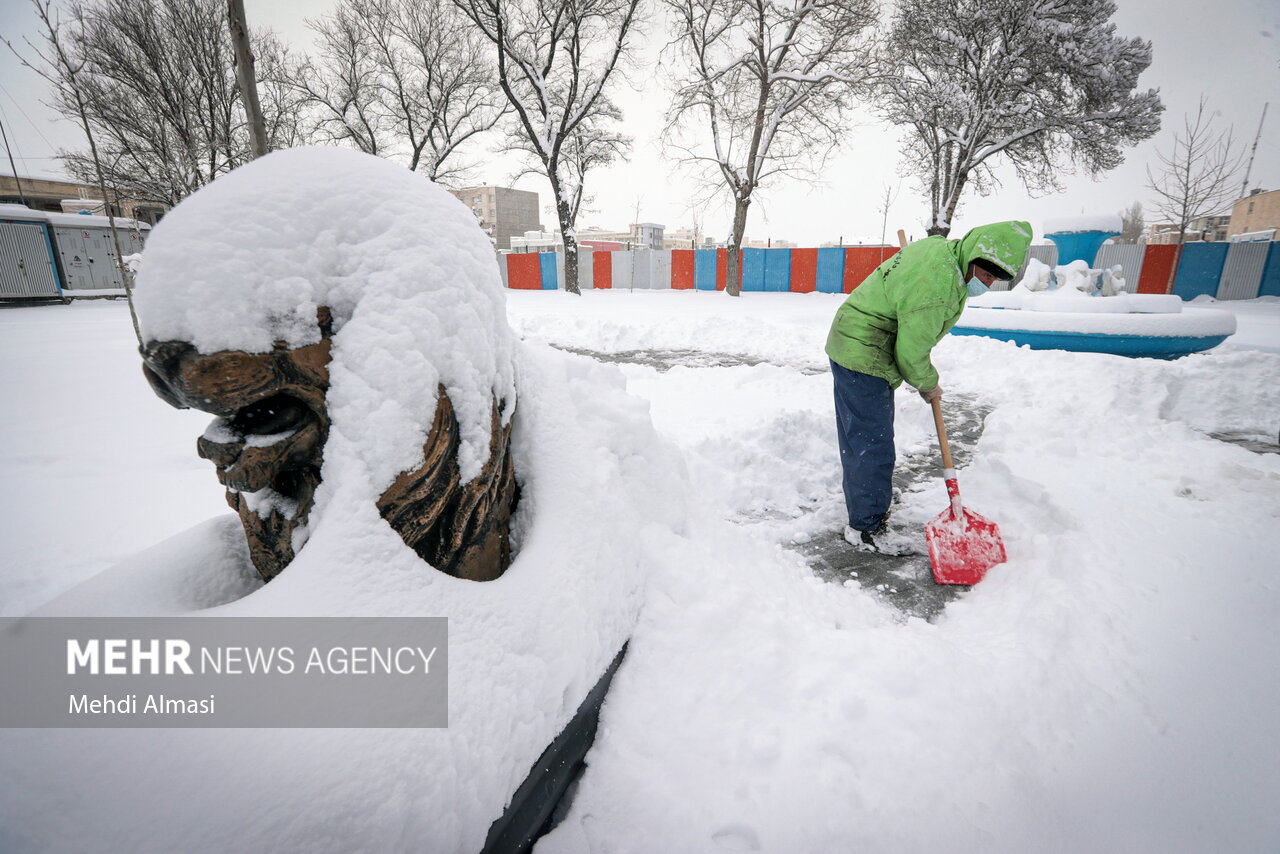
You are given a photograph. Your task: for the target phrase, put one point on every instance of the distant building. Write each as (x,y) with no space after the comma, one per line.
(502,212)
(642,235)
(1212,229)
(51,193)
(647,234)
(1205,229)
(1258,211)
(682,238)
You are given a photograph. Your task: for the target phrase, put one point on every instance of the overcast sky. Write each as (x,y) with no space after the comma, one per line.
(1228,51)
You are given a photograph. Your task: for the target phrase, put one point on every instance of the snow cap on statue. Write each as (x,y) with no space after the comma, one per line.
(408,276)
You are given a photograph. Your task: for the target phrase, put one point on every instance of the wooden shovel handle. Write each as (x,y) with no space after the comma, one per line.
(942,433)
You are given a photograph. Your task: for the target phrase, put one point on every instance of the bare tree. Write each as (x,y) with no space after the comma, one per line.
(1131,224)
(284,110)
(1041,84)
(555,62)
(1197,178)
(405,78)
(157,85)
(341,84)
(66,73)
(886,201)
(764,91)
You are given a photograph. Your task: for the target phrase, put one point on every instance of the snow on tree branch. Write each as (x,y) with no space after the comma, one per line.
(1041,84)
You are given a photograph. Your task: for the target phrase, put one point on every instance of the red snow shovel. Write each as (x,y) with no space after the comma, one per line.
(962,544)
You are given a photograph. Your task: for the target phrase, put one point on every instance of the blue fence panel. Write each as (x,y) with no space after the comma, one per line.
(704,270)
(1199,269)
(1270,284)
(777,269)
(753,268)
(830,271)
(547,262)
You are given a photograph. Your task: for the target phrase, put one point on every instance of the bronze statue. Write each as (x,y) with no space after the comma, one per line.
(268,447)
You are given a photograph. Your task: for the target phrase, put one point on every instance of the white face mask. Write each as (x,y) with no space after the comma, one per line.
(976,288)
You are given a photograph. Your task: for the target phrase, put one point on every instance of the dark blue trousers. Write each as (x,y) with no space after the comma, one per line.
(864,422)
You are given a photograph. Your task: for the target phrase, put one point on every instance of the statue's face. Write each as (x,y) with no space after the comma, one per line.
(268,438)
(268,444)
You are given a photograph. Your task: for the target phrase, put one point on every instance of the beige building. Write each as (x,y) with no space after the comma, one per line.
(1207,229)
(1258,211)
(59,195)
(502,212)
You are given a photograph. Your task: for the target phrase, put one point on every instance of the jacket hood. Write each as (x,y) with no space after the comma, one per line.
(1003,244)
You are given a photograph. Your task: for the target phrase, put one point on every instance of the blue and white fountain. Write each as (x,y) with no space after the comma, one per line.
(1074,306)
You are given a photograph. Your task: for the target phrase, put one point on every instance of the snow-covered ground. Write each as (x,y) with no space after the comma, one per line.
(1111,688)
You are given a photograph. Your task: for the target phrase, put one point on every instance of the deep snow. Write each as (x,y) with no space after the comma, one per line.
(1110,688)
(416,301)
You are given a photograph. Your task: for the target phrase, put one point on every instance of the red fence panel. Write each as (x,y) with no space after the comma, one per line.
(524,271)
(682,269)
(804,270)
(1158,266)
(602,270)
(859,261)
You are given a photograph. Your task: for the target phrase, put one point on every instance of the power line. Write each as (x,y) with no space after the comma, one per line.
(34,126)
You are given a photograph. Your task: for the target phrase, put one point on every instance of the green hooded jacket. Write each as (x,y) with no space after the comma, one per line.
(890,323)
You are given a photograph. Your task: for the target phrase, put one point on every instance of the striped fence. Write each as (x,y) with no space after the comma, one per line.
(826,270)
(1220,270)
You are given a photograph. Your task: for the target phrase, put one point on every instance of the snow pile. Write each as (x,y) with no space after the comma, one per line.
(773,327)
(1078,224)
(416,298)
(1119,303)
(1089,686)
(1091,316)
(1109,689)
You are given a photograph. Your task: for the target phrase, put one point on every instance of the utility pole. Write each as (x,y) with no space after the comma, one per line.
(1244,191)
(245,76)
(21,194)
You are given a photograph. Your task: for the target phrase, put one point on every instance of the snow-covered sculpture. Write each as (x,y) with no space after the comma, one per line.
(1037,276)
(251,342)
(1075,278)
(1112,281)
(416,305)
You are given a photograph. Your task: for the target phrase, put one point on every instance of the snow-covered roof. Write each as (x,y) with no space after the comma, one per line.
(1262,236)
(40,176)
(11,211)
